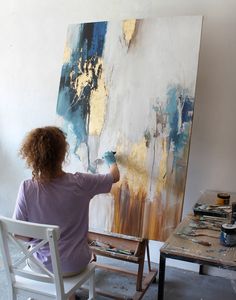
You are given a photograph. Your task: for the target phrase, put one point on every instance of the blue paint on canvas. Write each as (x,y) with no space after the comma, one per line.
(179,110)
(86,45)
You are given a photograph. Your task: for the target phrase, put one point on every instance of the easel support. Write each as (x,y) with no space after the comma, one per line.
(126,248)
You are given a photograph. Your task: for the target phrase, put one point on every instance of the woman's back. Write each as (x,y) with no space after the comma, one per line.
(64,201)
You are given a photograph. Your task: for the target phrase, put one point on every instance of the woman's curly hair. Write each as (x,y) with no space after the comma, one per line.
(44,150)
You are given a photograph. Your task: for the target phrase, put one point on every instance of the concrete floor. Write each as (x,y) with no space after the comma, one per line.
(179,284)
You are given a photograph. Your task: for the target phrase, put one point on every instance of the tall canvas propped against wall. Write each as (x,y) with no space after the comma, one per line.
(129,86)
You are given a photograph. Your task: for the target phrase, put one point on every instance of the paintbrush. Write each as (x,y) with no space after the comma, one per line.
(204,225)
(201,234)
(201,242)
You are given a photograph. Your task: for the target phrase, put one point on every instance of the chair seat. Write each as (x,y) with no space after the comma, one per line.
(48,289)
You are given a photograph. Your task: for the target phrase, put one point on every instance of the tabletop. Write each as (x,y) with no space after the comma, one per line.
(197,239)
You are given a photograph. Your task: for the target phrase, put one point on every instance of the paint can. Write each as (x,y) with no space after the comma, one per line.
(228,235)
(222,199)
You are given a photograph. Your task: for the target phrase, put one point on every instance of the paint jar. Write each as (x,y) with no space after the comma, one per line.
(222,199)
(228,235)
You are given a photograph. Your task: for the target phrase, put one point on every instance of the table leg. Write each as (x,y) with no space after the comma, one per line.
(201,270)
(161,281)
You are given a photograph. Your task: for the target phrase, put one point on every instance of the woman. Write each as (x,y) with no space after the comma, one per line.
(55,197)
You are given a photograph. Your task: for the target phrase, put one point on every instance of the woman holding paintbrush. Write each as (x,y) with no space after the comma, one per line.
(53,196)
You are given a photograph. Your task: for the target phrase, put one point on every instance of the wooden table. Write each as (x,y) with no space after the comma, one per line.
(180,246)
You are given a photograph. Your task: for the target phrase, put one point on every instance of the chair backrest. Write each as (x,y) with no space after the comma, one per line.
(11,229)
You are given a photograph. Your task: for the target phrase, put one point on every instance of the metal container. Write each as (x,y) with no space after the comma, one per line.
(228,235)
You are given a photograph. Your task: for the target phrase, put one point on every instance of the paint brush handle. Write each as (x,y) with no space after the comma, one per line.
(203,243)
(200,242)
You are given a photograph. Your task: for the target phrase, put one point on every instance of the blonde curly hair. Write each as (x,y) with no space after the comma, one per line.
(44,150)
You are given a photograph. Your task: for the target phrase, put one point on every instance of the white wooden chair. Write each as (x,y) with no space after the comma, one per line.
(44,284)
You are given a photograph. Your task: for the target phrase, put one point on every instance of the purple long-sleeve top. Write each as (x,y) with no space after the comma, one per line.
(64,201)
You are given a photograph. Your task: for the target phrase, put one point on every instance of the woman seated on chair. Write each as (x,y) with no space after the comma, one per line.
(56,197)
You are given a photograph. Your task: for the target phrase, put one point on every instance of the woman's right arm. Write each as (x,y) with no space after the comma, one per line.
(115,172)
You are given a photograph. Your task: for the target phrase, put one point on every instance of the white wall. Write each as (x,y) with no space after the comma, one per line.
(32,42)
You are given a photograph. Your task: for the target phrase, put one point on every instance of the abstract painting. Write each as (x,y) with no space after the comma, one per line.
(129,86)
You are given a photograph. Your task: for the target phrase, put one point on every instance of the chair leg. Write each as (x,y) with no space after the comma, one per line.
(92,287)
(13,295)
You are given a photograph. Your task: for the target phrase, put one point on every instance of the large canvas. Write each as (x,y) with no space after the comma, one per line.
(128,86)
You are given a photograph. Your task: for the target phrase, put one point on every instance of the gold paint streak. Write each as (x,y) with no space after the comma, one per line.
(156,217)
(136,166)
(83,79)
(98,96)
(136,215)
(166,213)
(161,182)
(130,196)
(98,107)
(67,54)
(116,194)
(128,30)
(159,216)
(129,209)
(146,219)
